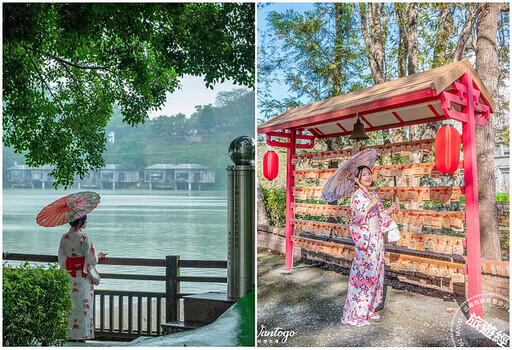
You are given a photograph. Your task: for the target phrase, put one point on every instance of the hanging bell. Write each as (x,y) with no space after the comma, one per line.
(358,131)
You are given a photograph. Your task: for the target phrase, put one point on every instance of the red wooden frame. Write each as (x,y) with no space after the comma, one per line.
(408,99)
(465,95)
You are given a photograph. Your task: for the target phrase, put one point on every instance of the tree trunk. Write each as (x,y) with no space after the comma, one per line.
(338,41)
(471,13)
(373,40)
(444,30)
(412,52)
(488,70)
(412,39)
(402,42)
(262,210)
(407,18)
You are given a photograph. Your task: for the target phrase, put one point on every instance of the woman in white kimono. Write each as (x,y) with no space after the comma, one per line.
(77,255)
(370,220)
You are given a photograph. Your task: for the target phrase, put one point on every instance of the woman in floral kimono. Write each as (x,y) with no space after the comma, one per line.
(77,255)
(370,220)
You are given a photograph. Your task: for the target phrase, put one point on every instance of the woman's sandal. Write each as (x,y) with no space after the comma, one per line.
(373,316)
(356,323)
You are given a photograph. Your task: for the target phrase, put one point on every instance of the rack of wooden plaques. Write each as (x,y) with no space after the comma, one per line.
(431,252)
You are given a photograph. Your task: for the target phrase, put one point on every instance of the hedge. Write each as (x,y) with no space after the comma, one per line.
(275,203)
(36,305)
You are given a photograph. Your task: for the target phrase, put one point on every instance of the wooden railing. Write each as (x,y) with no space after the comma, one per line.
(167,303)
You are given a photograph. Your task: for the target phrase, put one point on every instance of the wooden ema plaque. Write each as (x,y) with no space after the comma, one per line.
(425,258)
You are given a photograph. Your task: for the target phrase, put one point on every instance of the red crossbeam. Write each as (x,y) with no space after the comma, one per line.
(397,117)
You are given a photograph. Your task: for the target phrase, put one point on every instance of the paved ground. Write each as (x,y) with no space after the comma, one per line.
(309,301)
(97,343)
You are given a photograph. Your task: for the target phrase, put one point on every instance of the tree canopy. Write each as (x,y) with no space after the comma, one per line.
(330,49)
(65,65)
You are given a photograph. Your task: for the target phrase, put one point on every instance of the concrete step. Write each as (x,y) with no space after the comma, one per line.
(175,327)
(97,343)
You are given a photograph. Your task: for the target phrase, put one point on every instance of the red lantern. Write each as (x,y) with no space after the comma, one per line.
(270,165)
(447,149)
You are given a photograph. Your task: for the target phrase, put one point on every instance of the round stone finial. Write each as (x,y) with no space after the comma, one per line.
(241,150)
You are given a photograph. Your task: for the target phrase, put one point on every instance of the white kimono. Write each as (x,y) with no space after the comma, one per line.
(73,246)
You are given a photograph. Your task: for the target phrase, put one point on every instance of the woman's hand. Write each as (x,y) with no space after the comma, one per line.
(394,206)
(373,201)
(101,255)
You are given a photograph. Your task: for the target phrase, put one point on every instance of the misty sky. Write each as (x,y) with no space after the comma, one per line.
(193,92)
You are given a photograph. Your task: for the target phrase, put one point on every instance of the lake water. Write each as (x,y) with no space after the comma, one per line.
(130,223)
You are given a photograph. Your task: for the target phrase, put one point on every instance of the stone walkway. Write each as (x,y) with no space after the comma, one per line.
(308,301)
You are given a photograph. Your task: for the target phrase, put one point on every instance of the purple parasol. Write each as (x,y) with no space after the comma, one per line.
(342,182)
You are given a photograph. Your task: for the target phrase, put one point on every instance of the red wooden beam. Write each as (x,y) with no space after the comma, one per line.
(342,128)
(398,117)
(366,121)
(319,132)
(312,130)
(471,193)
(449,99)
(433,110)
(389,126)
(403,100)
(287,134)
(290,168)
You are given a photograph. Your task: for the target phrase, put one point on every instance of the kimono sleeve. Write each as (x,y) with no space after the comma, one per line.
(62,256)
(380,206)
(358,209)
(359,235)
(90,259)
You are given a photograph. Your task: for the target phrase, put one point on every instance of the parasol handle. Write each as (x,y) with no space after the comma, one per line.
(361,187)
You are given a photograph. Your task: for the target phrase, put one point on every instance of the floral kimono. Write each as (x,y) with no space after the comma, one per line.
(367,272)
(76,254)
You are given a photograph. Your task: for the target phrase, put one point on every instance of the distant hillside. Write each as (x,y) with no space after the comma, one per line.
(203,138)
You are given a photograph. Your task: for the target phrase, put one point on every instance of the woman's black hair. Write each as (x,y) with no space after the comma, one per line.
(360,168)
(78,222)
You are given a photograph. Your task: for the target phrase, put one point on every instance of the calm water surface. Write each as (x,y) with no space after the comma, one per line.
(129,223)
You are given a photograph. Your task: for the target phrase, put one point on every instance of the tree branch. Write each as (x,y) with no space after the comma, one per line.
(471,15)
(316,42)
(74,80)
(61,60)
(473,35)
(84,96)
(46,84)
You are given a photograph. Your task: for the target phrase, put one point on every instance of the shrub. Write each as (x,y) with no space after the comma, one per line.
(36,305)
(275,203)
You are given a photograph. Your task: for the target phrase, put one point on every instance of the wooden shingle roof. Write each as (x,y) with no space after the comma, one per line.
(409,100)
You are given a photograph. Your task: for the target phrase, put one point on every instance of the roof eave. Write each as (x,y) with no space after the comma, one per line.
(391,102)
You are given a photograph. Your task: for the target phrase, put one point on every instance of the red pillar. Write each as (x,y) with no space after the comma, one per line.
(289,200)
(471,193)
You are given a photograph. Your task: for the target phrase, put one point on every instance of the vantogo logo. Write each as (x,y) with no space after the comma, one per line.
(276,334)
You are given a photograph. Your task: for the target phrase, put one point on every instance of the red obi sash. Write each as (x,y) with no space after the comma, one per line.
(74,264)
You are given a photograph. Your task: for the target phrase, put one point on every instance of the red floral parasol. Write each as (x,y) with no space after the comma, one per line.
(342,182)
(68,209)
